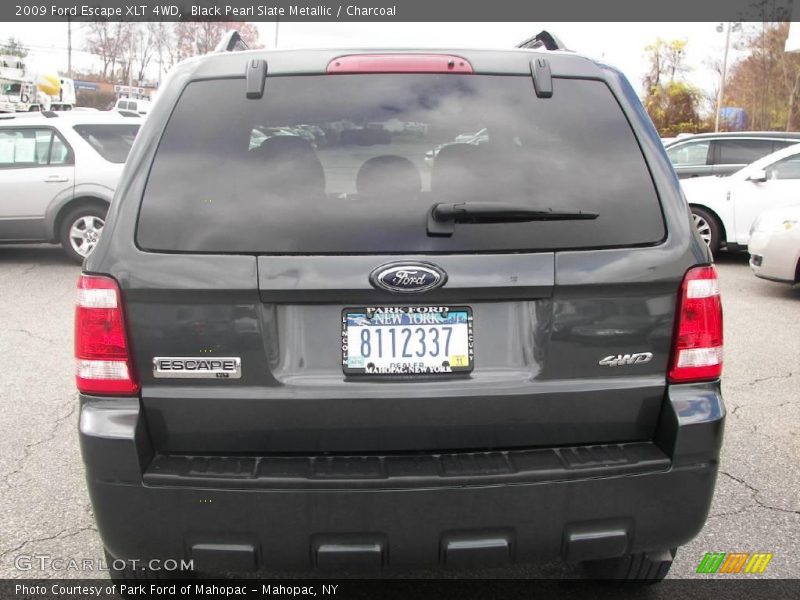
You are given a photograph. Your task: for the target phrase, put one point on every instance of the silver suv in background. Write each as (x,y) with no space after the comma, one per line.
(58,174)
(723,153)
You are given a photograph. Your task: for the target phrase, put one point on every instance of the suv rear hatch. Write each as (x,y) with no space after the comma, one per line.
(276,218)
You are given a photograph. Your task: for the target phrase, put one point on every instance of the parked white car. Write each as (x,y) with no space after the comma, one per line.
(58,174)
(775,245)
(141,107)
(724,208)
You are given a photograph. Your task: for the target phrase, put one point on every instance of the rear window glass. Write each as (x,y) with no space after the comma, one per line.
(742,152)
(689,154)
(788,168)
(112,142)
(353,164)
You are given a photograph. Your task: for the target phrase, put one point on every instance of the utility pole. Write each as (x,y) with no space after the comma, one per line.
(69,47)
(277,23)
(721,93)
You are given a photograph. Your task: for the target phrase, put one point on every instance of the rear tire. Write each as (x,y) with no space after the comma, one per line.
(708,227)
(644,568)
(80,230)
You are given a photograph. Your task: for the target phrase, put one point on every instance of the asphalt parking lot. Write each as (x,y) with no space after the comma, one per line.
(45,510)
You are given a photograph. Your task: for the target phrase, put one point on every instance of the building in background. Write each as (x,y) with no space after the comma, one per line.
(104,95)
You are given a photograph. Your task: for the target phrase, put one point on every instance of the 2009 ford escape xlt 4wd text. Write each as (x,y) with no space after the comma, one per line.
(302,345)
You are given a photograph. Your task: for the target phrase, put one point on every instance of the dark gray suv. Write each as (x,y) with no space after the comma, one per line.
(301,345)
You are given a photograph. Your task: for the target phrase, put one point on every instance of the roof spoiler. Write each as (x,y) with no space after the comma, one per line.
(231,42)
(543,39)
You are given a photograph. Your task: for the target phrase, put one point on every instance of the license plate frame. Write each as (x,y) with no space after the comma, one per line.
(463,315)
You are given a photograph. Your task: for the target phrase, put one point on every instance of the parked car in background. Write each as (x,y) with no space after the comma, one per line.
(668,140)
(775,245)
(724,208)
(478,137)
(724,153)
(141,107)
(58,172)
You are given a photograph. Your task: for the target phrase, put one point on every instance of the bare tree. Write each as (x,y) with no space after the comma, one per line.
(144,48)
(110,42)
(671,103)
(791,81)
(98,42)
(201,37)
(166,47)
(711,94)
(14,47)
(766,80)
(666,62)
(129,49)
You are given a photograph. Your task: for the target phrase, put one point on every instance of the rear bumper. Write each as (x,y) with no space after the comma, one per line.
(481,518)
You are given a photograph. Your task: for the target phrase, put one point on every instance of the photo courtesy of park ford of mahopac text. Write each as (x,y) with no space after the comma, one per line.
(391,299)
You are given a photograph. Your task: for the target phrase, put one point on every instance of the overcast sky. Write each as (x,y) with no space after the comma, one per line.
(620,44)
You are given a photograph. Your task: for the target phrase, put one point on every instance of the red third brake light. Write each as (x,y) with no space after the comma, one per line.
(697,341)
(102,351)
(399,63)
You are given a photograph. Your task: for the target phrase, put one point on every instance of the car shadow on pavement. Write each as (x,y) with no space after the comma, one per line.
(732,258)
(41,254)
(782,290)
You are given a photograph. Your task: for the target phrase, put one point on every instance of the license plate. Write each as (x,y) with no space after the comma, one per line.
(407,340)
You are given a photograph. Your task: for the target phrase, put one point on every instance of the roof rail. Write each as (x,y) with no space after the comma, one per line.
(231,42)
(49,114)
(543,39)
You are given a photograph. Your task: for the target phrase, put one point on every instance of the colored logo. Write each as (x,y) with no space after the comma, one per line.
(410,278)
(734,562)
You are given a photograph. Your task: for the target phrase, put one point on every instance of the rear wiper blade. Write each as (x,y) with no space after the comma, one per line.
(443,217)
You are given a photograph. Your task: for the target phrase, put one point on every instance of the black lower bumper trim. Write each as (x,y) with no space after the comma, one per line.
(406,470)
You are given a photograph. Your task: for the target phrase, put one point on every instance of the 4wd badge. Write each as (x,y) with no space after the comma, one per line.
(621,360)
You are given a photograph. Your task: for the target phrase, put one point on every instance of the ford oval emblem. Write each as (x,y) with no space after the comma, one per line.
(408,277)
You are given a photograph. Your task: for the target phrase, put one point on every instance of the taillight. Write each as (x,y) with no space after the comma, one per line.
(697,341)
(102,351)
